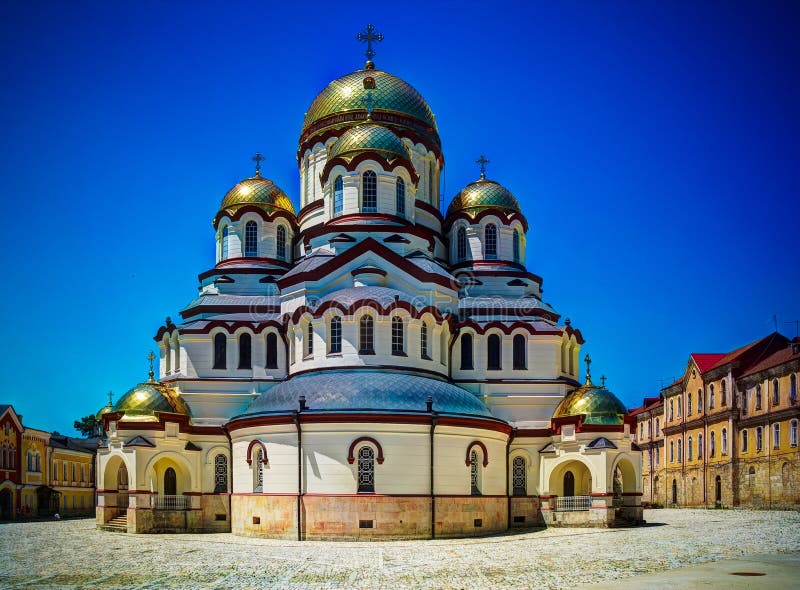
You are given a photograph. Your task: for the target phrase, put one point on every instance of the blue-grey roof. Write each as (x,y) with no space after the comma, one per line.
(383,295)
(518,304)
(367,391)
(246,301)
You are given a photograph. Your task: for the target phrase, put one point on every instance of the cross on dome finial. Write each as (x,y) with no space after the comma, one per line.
(258,158)
(151,357)
(110,399)
(370,36)
(482,161)
(603,380)
(587,359)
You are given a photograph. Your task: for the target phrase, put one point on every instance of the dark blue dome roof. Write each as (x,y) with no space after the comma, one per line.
(366,391)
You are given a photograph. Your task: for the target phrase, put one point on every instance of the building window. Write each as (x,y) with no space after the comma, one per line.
(245,351)
(712,445)
(674,491)
(366,340)
(493,352)
(461,243)
(66,471)
(431,175)
(366,470)
(309,340)
(680,450)
(671,409)
(258,471)
(490,241)
(423,341)
(641,431)
(220,474)
(776,392)
(671,452)
(474,474)
(398,344)
(699,446)
(776,436)
(519,476)
(369,196)
(792,388)
(466,352)
(272,350)
(400,196)
(744,440)
(280,243)
(724,441)
(689,404)
(658,427)
(759,439)
(338,196)
(520,352)
(700,401)
(251,239)
(678,406)
(649,429)
(220,350)
(689,450)
(516,246)
(724,393)
(658,456)
(758,397)
(711,397)
(225,242)
(307,178)
(793,433)
(335,335)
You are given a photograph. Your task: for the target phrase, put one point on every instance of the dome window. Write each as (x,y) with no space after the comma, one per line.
(490,242)
(310,340)
(423,341)
(401,197)
(520,353)
(220,351)
(225,242)
(338,196)
(398,343)
(272,351)
(366,336)
(466,352)
(516,246)
(335,346)
(280,243)
(251,239)
(369,188)
(245,352)
(461,243)
(493,353)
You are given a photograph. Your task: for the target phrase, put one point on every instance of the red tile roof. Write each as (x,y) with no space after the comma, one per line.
(784,355)
(751,353)
(706,360)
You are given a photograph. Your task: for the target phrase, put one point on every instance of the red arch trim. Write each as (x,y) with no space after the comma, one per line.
(477,443)
(351,457)
(375,157)
(254,443)
(370,304)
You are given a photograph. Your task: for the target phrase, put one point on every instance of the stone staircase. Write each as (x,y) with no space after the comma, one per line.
(118,524)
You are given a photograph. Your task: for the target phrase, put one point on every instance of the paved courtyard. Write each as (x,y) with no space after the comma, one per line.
(73,554)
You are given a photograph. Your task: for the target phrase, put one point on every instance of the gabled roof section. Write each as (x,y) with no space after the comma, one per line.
(601,443)
(706,360)
(4,408)
(752,353)
(139,441)
(780,357)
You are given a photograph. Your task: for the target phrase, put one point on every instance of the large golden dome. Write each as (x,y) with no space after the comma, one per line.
(369,138)
(483,194)
(146,399)
(596,404)
(258,191)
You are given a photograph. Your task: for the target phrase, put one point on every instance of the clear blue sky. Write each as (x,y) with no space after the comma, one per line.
(653,146)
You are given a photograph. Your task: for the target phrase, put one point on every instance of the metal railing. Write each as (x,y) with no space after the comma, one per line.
(162,502)
(573,503)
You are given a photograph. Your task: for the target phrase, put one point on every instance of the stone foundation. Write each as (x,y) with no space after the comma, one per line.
(470,516)
(525,512)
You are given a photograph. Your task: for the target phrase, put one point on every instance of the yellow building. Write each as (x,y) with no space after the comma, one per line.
(72,474)
(34,469)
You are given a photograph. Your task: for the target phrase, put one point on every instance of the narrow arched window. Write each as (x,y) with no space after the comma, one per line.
(258,471)
(689,450)
(776,392)
(272,350)
(724,441)
(711,398)
(369,194)
(423,341)
(245,352)
(167,355)
(474,473)
(493,352)
(280,243)
(398,344)
(461,243)
(225,242)
(776,436)
(724,393)
(699,446)
(674,491)
(520,353)
(516,246)
(700,401)
(366,335)
(170,482)
(220,351)
(431,178)
(490,241)
(400,196)
(758,397)
(310,340)
(307,179)
(220,474)
(792,388)
(744,440)
(519,477)
(671,452)
(335,346)
(793,433)
(251,239)
(338,196)
(366,470)
(759,439)
(680,450)
(689,404)
(466,352)
(177,353)
(712,444)
(443,346)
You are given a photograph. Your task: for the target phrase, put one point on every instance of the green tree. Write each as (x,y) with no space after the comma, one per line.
(87,425)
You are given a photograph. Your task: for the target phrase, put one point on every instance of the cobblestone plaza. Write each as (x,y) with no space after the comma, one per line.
(73,554)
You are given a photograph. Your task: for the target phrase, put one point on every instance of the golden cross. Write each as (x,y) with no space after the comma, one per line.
(258,158)
(482,161)
(370,36)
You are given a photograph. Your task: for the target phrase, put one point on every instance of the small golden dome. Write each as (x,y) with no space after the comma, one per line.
(258,191)
(369,138)
(596,404)
(146,399)
(483,194)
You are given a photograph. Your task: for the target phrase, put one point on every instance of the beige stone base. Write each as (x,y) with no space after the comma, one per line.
(525,512)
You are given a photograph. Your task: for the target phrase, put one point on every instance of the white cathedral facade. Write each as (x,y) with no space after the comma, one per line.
(367,367)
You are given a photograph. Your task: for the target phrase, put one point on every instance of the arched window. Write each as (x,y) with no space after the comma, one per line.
(280,243)
(658,427)
(744,440)
(569,484)
(680,450)
(793,433)
(431,175)
(519,476)
(310,340)
(516,246)
(398,345)
(671,452)
(724,441)
(443,346)
(258,471)
(335,346)
(366,470)
(689,449)
(369,195)
(225,242)
(658,456)
(474,473)
(792,388)
(520,352)
(759,439)
(461,243)
(776,436)
(724,393)
(466,352)
(776,392)
(423,341)
(711,397)
(366,335)
(167,355)
(338,196)
(689,404)
(490,242)
(400,196)
(700,401)
(220,350)
(307,178)
(177,354)
(251,239)
(671,409)
(712,445)
(220,474)
(272,350)
(699,446)
(170,482)
(245,352)
(758,397)
(493,352)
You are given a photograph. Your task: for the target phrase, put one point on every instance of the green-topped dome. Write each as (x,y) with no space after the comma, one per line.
(369,138)
(147,398)
(596,404)
(483,194)
(258,191)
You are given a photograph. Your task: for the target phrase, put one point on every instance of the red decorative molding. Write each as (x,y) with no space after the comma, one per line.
(312,206)
(505,329)
(351,458)
(369,155)
(428,208)
(355,222)
(220,269)
(602,494)
(477,443)
(255,443)
(371,270)
(230,327)
(533,432)
(267,217)
(505,218)
(632,493)
(368,303)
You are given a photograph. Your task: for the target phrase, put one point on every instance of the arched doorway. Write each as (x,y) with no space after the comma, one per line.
(718,489)
(569,484)
(6,504)
(122,478)
(655,489)
(170,482)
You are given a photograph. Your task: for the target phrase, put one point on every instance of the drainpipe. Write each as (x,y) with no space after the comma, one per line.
(296,417)
(508,470)
(434,421)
